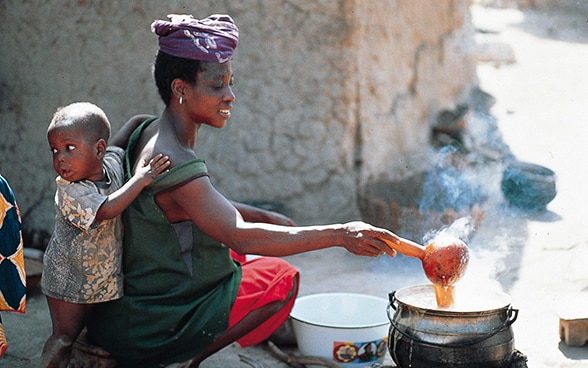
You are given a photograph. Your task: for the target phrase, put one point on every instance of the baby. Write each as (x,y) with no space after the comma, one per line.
(82,263)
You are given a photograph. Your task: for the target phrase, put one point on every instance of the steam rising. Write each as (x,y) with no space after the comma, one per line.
(461,189)
(451,183)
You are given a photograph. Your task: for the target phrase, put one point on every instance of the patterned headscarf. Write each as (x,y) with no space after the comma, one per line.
(213,38)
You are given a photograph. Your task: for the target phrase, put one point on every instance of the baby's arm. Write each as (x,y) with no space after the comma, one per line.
(121,138)
(118,201)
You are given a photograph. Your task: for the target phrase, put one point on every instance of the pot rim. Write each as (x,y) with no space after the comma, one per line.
(500,301)
(529,170)
(384,322)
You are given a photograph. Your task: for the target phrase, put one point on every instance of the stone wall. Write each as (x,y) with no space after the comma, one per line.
(331,95)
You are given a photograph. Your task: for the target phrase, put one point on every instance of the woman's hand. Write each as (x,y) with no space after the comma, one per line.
(366,240)
(277,218)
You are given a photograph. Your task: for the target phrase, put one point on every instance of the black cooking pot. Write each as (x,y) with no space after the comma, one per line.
(528,186)
(425,336)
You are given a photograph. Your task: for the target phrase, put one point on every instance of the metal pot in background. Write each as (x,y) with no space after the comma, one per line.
(425,337)
(528,186)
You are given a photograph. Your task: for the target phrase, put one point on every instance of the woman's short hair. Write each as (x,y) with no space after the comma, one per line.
(167,68)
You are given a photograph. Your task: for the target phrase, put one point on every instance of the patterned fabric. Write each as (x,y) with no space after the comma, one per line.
(12,271)
(3,343)
(83,261)
(210,39)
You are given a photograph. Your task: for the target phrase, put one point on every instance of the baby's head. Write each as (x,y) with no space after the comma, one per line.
(85,117)
(78,135)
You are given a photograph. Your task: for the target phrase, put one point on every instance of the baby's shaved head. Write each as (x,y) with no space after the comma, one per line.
(85,115)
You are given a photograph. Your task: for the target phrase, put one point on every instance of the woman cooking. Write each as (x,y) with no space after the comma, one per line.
(185,296)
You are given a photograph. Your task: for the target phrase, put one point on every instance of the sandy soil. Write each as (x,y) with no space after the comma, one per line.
(533,64)
(541,109)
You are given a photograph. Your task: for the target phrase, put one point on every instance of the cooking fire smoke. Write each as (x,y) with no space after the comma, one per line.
(456,185)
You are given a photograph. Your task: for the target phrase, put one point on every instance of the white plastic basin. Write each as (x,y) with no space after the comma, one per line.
(348,328)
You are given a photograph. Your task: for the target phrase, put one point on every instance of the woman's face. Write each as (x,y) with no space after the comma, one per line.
(74,157)
(211,98)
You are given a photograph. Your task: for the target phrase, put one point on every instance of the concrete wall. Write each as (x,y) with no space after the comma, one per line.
(331,95)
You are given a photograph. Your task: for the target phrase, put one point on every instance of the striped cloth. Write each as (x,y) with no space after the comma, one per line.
(12,271)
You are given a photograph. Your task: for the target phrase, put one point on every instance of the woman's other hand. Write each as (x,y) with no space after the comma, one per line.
(277,218)
(255,214)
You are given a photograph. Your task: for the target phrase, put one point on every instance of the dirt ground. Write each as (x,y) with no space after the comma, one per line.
(533,64)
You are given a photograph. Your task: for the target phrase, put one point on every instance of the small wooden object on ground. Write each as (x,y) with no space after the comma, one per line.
(573,320)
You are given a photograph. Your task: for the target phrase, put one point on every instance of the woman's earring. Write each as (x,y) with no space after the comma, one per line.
(181,99)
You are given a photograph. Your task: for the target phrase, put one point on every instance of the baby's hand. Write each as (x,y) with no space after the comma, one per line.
(156,166)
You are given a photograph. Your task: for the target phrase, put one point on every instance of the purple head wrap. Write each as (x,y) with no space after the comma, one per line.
(213,38)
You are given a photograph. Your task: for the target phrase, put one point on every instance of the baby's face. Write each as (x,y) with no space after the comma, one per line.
(74,157)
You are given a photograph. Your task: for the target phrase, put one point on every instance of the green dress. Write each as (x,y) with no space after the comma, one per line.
(179,284)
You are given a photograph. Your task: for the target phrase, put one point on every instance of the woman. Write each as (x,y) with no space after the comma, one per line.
(185,297)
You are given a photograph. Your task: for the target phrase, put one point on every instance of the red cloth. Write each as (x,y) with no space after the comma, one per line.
(3,344)
(241,258)
(264,280)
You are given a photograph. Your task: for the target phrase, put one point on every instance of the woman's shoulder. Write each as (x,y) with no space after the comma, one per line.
(177,155)
(180,174)
(158,138)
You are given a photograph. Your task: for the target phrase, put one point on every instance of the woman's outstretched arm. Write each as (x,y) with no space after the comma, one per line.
(218,217)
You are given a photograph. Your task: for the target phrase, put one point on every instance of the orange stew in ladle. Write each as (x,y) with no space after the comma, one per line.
(444,261)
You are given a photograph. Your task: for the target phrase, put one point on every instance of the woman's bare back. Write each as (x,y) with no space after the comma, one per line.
(157,138)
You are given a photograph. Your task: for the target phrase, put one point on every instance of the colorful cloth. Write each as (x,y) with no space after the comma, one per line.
(83,261)
(210,39)
(12,270)
(264,280)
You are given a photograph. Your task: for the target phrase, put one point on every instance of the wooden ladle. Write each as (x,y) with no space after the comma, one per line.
(444,261)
